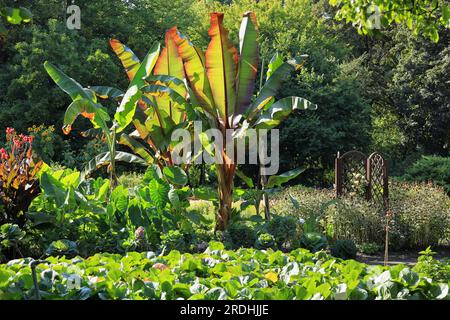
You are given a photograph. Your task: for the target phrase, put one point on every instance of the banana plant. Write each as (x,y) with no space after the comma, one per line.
(84,103)
(222,81)
(162,104)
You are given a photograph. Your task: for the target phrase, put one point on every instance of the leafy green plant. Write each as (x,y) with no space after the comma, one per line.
(10,237)
(19,184)
(434,268)
(242,235)
(174,240)
(285,230)
(424,17)
(265,241)
(162,104)
(370,248)
(217,274)
(344,249)
(313,241)
(62,248)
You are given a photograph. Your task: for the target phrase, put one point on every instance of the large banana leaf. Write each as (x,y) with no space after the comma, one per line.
(273,84)
(221,68)
(84,100)
(127,108)
(146,67)
(105,92)
(67,84)
(137,147)
(194,66)
(170,63)
(125,112)
(278,180)
(280,110)
(105,159)
(129,60)
(274,64)
(248,62)
(94,112)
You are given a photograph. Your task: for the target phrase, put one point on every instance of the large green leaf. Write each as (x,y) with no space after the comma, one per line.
(280,110)
(275,62)
(94,112)
(278,180)
(146,67)
(221,67)
(194,66)
(248,62)
(104,159)
(125,112)
(84,100)
(67,84)
(170,64)
(105,92)
(137,147)
(175,175)
(159,193)
(273,84)
(129,60)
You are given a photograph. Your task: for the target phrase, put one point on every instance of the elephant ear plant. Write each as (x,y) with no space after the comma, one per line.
(223,80)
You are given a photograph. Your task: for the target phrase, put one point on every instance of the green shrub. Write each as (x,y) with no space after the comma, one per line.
(173,240)
(265,241)
(62,248)
(355,219)
(438,270)
(344,249)
(285,230)
(313,241)
(421,215)
(430,169)
(242,235)
(370,248)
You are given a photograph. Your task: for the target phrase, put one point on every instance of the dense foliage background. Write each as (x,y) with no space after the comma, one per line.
(387,91)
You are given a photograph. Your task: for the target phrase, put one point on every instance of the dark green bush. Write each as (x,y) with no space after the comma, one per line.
(370,248)
(241,235)
(430,169)
(174,240)
(344,249)
(285,229)
(313,241)
(62,247)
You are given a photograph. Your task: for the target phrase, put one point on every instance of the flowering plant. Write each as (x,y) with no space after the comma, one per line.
(19,184)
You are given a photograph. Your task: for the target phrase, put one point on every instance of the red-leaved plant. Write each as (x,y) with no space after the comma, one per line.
(19,184)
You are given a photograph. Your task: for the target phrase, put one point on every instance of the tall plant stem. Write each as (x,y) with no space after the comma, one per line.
(112,155)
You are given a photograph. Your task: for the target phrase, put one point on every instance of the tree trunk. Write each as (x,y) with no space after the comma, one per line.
(225,176)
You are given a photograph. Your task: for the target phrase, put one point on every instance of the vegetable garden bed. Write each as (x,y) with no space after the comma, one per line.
(221,274)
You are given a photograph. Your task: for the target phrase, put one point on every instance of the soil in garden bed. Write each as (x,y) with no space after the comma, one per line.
(404,257)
